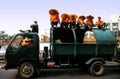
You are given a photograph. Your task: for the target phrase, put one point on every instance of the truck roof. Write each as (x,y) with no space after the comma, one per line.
(105,36)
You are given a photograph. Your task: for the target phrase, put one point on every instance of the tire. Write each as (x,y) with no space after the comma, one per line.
(26,70)
(97,68)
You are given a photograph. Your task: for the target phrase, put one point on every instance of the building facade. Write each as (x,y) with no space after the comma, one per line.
(114,23)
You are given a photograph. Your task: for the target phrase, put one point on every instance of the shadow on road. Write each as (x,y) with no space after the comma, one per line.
(76,73)
(62,72)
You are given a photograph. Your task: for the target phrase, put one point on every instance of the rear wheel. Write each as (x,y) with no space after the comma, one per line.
(26,70)
(97,68)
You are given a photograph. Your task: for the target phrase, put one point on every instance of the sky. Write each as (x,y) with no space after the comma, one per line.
(20,14)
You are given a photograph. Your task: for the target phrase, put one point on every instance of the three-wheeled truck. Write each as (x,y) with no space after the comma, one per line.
(68,48)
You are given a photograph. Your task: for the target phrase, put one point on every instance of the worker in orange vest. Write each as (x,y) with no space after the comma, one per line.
(89,22)
(99,23)
(54,17)
(64,20)
(72,20)
(80,22)
(26,42)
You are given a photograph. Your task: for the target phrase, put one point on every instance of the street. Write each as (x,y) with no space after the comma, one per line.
(110,73)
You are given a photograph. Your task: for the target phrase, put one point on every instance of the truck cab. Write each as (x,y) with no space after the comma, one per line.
(16,52)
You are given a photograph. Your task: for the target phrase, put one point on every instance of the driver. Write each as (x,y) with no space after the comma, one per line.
(26,42)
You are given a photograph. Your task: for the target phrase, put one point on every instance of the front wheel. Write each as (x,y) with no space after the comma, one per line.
(97,68)
(26,70)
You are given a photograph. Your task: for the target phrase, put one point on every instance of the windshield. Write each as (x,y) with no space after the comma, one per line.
(16,42)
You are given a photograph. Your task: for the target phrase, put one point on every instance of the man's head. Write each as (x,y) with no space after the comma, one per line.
(35,21)
(82,17)
(90,17)
(99,18)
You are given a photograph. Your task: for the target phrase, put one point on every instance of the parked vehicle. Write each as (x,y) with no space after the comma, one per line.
(3,50)
(68,48)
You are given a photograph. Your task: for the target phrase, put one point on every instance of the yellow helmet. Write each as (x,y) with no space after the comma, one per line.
(27,39)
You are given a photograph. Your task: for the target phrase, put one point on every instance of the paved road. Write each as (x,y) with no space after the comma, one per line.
(110,73)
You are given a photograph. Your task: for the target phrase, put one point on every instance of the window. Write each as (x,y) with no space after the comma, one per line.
(115,25)
(63,35)
(27,41)
(16,42)
(89,38)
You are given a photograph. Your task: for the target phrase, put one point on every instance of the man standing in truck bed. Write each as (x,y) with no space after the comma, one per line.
(99,23)
(34,27)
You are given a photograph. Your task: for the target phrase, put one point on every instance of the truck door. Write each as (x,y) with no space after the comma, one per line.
(12,50)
